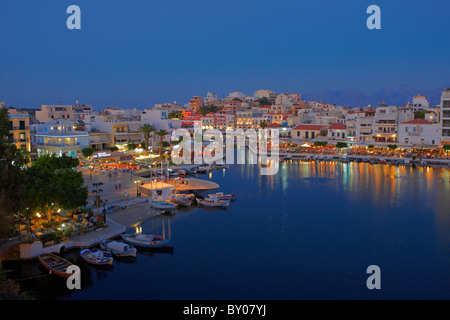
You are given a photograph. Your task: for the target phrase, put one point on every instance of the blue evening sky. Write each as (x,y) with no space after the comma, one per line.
(131,53)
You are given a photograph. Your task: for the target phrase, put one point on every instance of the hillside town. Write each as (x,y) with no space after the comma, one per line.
(68,129)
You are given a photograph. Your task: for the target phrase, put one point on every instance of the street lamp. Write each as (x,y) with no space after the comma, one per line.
(97,197)
(137,182)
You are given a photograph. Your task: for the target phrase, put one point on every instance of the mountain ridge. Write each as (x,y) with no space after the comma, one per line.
(398,95)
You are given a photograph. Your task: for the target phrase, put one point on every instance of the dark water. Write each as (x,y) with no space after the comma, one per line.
(309,232)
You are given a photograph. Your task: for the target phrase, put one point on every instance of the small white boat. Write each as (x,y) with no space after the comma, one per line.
(146,240)
(97,257)
(118,248)
(161,204)
(222,196)
(213,202)
(183,199)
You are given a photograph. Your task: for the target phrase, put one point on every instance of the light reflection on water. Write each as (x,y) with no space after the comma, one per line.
(308,232)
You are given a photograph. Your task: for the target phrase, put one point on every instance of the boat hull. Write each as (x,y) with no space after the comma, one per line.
(51,261)
(96,257)
(131,253)
(143,243)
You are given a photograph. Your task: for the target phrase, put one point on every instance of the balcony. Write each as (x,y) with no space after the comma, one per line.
(385,132)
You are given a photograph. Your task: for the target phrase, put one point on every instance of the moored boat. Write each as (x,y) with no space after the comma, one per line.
(183,199)
(213,202)
(222,196)
(161,204)
(146,240)
(118,249)
(97,257)
(56,265)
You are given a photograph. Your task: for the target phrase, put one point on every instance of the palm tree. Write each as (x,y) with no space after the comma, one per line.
(161,133)
(146,129)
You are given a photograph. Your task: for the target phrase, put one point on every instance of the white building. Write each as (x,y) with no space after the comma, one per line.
(385,125)
(58,137)
(419,103)
(419,132)
(445,116)
(210,97)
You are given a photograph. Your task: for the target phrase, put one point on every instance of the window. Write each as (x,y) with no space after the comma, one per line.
(21,125)
(313,134)
(406,140)
(406,129)
(298,133)
(306,134)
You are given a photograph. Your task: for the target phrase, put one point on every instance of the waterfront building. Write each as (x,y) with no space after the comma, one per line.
(365,127)
(445,116)
(385,124)
(54,112)
(120,129)
(337,131)
(418,133)
(58,137)
(99,141)
(308,131)
(249,119)
(19,129)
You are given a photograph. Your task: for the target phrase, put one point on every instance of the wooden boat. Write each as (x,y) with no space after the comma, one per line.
(182,172)
(146,240)
(213,202)
(118,248)
(222,196)
(161,204)
(183,199)
(97,257)
(56,265)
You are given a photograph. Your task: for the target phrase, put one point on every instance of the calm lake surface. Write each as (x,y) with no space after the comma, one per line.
(309,232)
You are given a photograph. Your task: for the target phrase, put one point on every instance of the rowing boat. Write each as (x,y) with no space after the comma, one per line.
(56,265)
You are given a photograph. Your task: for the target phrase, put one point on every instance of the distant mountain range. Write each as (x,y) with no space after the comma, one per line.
(395,95)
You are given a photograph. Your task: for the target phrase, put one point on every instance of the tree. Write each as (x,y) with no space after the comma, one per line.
(112,149)
(12,176)
(147,129)
(320,143)
(370,146)
(447,149)
(420,114)
(341,145)
(87,152)
(264,101)
(161,134)
(263,124)
(52,183)
(131,146)
(392,146)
